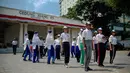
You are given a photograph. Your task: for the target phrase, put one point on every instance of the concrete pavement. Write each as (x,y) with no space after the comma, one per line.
(10,63)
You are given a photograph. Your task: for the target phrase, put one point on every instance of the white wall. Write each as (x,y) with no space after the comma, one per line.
(11,32)
(75,32)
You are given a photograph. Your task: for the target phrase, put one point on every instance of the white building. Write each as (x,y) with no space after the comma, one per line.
(65,4)
(14,23)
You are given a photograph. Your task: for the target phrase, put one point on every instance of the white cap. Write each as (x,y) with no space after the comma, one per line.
(58,35)
(100,28)
(88,23)
(81,29)
(113,31)
(65,27)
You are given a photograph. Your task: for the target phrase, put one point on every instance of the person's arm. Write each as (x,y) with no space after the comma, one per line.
(83,40)
(110,40)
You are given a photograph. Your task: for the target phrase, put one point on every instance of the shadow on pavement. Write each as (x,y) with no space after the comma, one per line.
(102,70)
(59,64)
(116,67)
(121,64)
(76,67)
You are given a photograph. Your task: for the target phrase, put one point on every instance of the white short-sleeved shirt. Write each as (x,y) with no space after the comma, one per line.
(57,42)
(73,43)
(112,40)
(41,43)
(99,38)
(14,42)
(95,40)
(87,34)
(65,37)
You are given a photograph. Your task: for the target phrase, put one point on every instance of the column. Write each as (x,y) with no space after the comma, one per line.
(25,28)
(21,35)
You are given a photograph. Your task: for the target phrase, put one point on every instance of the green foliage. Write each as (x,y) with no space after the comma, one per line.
(89,10)
(123,5)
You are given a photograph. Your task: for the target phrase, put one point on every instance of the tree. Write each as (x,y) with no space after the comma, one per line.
(123,5)
(98,12)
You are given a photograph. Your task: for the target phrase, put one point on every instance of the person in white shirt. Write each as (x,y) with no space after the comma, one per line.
(73,47)
(57,47)
(95,48)
(50,45)
(41,47)
(27,48)
(113,46)
(81,48)
(35,44)
(87,41)
(65,38)
(101,47)
(14,45)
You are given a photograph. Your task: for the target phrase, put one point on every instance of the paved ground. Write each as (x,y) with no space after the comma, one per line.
(14,64)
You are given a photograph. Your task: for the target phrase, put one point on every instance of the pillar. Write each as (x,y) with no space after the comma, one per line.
(25,29)
(21,35)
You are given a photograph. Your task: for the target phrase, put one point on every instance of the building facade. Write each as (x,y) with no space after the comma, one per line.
(65,4)
(15,23)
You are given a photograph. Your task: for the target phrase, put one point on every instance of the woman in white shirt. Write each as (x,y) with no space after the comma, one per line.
(101,47)
(81,48)
(50,45)
(14,45)
(35,44)
(27,48)
(57,47)
(113,46)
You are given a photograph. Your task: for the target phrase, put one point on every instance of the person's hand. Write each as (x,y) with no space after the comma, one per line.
(110,49)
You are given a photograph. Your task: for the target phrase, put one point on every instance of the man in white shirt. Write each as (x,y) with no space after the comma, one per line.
(57,47)
(87,41)
(113,46)
(65,38)
(14,45)
(101,47)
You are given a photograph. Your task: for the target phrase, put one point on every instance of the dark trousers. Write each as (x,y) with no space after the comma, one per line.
(41,51)
(14,49)
(113,53)
(66,47)
(27,53)
(95,53)
(36,55)
(101,53)
(77,54)
(23,53)
(73,51)
(51,54)
(45,51)
(58,51)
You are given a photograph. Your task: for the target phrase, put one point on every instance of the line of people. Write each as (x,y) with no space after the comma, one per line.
(81,47)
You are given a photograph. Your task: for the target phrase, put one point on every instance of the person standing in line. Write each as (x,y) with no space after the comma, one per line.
(14,45)
(73,47)
(113,46)
(80,44)
(27,49)
(35,44)
(87,41)
(95,48)
(57,47)
(50,45)
(65,38)
(41,47)
(101,47)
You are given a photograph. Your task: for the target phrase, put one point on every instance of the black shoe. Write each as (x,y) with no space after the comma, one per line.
(29,60)
(24,60)
(101,65)
(53,62)
(86,70)
(89,68)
